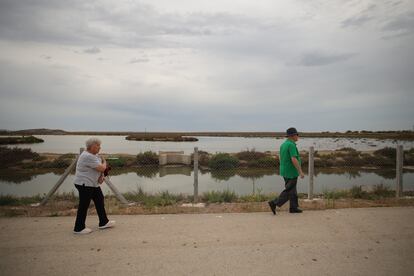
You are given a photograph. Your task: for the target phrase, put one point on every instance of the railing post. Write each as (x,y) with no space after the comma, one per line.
(310,172)
(115,191)
(399,171)
(195,174)
(60,181)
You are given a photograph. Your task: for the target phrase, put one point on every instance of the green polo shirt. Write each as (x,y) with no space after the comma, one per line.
(288,150)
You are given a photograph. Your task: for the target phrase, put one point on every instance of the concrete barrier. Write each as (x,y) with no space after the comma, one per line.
(174,157)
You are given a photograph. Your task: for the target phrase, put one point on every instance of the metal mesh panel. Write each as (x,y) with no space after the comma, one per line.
(247,175)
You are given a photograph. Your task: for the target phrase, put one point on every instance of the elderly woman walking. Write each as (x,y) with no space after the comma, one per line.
(89,175)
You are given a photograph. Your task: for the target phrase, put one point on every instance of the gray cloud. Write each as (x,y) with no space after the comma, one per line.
(93,50)
(356,21)
(321,59)
(132,25)
(46,57)
(361,18)
(139,60)
(401,25)
(225,67)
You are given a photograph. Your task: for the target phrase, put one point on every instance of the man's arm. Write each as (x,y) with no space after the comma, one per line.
(297,166)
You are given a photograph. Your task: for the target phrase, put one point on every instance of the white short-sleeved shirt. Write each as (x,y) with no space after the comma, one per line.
(86,172)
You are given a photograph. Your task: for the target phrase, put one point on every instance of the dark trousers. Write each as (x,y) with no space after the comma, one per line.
(289,193)
(85,195)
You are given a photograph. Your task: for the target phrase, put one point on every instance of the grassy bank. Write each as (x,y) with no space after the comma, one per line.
(166,198)
(215,202)
(8,200)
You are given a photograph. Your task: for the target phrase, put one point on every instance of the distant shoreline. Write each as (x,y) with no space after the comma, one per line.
(395,135)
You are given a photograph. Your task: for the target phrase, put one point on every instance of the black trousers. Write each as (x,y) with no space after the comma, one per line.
(289,193)
(86,194)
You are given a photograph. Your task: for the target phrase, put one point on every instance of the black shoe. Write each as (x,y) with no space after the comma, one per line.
(272,206)
(297,210)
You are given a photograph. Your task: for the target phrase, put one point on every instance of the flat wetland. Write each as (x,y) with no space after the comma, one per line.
(238,171)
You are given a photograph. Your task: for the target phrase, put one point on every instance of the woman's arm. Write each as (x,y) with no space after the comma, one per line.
(102,176)
(102,167)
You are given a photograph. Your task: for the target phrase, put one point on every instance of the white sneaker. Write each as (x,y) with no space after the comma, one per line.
(110,224)
(83,232)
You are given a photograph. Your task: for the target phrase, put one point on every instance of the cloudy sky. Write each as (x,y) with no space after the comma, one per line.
(190,65)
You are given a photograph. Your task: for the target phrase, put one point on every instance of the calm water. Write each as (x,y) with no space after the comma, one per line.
(118,144)
(180,180)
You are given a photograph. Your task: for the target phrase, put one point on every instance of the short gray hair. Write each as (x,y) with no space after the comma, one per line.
(92,141)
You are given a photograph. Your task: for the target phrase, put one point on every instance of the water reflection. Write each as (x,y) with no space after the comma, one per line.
(183,170)
(353,173)
(180,180)
(15,177)
(147,172)
(153,172)
(19,176)
(252,174)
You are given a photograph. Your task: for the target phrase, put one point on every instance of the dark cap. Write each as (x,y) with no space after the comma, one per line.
(291,131)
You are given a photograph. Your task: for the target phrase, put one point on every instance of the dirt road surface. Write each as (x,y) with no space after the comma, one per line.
(370,241)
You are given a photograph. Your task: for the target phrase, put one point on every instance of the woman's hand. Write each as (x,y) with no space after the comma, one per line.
(101,179)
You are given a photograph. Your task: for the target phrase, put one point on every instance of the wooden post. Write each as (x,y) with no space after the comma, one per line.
(195,174)
(61,179)
(115,191)
(399,171)
(311,173)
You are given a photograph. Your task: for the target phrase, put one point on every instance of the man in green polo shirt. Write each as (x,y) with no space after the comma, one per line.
(290,170)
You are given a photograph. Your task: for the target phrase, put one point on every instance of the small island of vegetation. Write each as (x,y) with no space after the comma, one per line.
(12,140)
(161,137)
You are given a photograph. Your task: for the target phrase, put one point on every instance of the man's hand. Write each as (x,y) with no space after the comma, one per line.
(301,175)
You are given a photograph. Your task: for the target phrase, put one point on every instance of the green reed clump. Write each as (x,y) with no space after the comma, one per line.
(264,162)
(163,198)
(13,156)
(335,194)
(223,161)
(219,196)
(386,152)
(147,158)
(10,200)
(249,155)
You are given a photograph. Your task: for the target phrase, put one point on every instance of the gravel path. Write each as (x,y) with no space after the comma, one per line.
(370,241)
